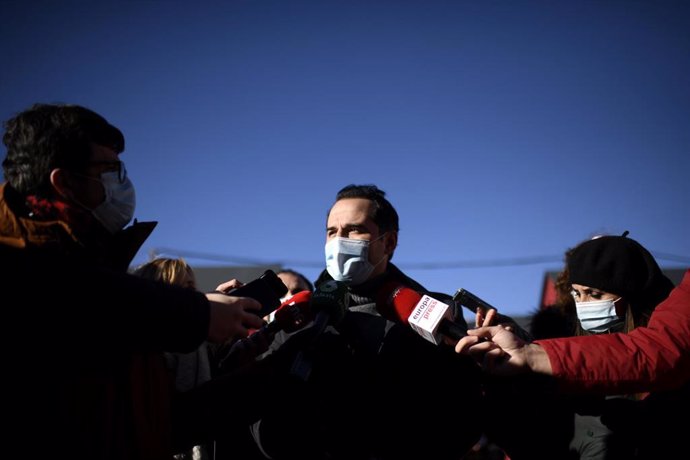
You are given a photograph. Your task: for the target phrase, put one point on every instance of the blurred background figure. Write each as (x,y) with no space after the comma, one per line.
(558,319)
(189,370)
(295,282)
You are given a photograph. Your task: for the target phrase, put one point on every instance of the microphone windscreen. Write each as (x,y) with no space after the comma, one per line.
(395,302)
(331,298)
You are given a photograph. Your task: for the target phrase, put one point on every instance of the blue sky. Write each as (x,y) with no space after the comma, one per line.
(504,132)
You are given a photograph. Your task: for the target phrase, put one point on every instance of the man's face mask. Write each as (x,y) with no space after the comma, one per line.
(598,316)
(117,209)
(347,260)
(120,200)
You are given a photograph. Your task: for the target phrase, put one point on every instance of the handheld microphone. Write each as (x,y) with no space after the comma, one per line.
(293,314)
(428,317)
(329,302)
(395,302)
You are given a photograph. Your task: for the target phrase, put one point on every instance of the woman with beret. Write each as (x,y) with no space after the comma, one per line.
(616,285)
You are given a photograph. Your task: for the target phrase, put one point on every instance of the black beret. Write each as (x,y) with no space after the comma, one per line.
(621,266)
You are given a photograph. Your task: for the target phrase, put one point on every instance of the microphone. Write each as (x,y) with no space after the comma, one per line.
(329,302)
(292,314)
(428,317)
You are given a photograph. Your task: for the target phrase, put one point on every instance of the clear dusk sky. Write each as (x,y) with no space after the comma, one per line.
(504,132)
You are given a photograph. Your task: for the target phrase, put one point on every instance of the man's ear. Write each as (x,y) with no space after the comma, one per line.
(60,180)
(391,242)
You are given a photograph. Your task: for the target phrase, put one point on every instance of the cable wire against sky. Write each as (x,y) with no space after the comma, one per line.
(507,262)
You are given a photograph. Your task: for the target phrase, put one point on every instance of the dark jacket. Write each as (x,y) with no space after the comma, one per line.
(375,390)
(84,340)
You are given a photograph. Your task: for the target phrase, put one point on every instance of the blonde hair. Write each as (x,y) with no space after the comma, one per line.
(167,270)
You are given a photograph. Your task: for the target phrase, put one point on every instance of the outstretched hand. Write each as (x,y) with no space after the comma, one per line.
(496,348)
(231,317)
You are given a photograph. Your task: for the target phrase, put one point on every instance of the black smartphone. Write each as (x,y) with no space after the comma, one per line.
(471,301)
(267,289)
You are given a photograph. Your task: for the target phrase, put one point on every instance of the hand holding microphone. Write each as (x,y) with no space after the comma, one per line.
(291,316)
(488,315)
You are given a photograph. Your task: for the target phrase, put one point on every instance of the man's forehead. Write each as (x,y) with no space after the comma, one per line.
(350,210)
(101,152)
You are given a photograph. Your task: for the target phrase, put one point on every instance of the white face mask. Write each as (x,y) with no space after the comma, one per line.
(598,316)
(120,200)
(347,260)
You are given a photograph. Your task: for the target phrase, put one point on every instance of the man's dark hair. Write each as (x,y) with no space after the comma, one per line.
(49,136)
(385,215)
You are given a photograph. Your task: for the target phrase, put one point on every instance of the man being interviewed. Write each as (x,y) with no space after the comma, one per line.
(369,367)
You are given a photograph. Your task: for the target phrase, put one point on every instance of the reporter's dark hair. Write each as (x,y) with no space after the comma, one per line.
(49,136)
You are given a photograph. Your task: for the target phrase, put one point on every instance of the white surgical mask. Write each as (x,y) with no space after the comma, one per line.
(120,200)
(347,260)
(598,316)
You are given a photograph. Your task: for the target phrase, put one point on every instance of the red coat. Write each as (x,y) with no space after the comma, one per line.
(652,358)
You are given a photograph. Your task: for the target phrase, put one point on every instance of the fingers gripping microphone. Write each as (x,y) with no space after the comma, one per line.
(430,318)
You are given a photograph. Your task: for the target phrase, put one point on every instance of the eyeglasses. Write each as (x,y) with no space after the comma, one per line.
(111,166)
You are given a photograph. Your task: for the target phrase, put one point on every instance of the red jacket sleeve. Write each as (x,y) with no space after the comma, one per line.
(652,358)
